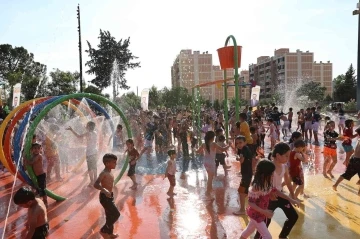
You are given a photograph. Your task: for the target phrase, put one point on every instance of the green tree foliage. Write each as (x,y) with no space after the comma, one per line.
(101,60)
(17,65)
(62,82)
(18,61)
(328,99)
(176,97)
(155,97)
(92,89)
(345,86)
(129,101)
(313,90)
(34,87)
(217,104)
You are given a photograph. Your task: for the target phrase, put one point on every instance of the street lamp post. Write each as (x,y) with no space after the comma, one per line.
(80,53)
(357,12)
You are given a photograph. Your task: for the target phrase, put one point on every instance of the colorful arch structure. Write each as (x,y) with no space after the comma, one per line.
(32,112)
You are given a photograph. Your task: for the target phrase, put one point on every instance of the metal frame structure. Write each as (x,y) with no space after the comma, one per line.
(237,95)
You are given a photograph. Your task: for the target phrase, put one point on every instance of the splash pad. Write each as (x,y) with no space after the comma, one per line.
(32,112)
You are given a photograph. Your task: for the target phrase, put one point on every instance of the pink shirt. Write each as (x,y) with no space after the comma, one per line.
(261,199)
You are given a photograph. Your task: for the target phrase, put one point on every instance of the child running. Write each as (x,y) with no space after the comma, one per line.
(210,147)
(36,163)
(133,155)
(37,214)
(330,154)
(260,194)
(295,168)
(353,167)
(170,172)
(245,157)
(91,149)
(347,143)
(220,155)
(280,157)
(105,183)
(273,133)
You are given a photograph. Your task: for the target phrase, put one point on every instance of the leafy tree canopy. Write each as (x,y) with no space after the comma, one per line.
(63,82)
(102,59)
(345,86)
(16,62)
(313,90)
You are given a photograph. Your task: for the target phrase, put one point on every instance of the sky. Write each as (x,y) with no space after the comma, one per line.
(159,29)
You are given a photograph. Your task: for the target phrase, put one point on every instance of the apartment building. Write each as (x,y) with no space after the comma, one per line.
(191,68)
(245,91)
(286,69)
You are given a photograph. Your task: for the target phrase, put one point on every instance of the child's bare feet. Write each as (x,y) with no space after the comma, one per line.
(134,187)
(334,187)
(238,213)
(332,176)
(325,175)
(105,235)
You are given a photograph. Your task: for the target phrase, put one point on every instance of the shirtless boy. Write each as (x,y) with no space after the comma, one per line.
(38,227)
(105,183)
(36,162)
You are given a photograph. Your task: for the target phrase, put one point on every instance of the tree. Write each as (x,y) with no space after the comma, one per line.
(63,83)
(18,61)
(17,65)
(129,101)
(154,97)
(217,105)
(313,90)
(176,97)
(345,86)
(34,87)
(92,89)
(102,59)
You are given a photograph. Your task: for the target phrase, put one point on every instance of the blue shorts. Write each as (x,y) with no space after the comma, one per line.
(348,148)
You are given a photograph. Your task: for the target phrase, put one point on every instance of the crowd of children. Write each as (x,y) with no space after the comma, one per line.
(262,180)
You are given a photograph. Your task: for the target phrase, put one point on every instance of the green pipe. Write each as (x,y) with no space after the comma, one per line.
(226,110)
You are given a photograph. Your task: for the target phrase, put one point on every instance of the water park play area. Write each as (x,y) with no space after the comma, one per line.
(74,210)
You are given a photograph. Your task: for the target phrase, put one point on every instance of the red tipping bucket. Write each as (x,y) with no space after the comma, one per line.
(226,57)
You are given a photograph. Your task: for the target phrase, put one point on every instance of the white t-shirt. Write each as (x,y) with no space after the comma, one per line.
(91,143)
(278,178)
(171,167)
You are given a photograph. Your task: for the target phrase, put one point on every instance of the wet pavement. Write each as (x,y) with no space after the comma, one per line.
(149,213)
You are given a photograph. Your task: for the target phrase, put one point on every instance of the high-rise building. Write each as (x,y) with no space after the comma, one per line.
(245,91)
(193,68)
(286,68)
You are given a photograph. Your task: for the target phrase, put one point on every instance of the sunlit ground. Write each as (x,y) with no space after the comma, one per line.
(148,213)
